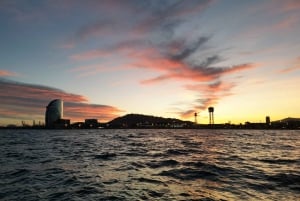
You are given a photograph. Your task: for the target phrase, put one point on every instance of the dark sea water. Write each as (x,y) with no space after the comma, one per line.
(149,165)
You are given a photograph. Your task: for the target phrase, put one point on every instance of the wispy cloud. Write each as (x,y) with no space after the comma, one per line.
(20,11)
(27,101)
(214,87)
(295,66)
(89,55)
(210,95)
(290,5)
(187,50)
(173,62)
(153,17)
(280,17)
(159,41)
(168,15)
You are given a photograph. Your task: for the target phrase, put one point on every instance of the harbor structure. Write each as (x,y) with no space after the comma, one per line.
(211,115)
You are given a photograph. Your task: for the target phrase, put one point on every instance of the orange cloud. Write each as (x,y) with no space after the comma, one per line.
(5,73)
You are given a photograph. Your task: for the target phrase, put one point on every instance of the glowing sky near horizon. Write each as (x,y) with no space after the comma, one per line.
(169,58)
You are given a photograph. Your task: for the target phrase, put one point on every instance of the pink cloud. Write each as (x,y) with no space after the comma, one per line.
(290,69)
(171,65)
(294,67)
(241,67)
(11,89)
(214,87)
(290,5)
(186,73)
(287,23)
(28,101)
(203,76)
(79,111)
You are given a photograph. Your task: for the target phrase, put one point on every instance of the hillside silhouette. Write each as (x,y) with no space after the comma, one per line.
(144,121)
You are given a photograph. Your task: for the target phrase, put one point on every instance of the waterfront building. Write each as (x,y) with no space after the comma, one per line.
(54,112)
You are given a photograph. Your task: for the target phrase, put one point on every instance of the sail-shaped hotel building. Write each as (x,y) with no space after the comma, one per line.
(54,113)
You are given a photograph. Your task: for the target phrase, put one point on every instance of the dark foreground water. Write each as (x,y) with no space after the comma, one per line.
(149,165)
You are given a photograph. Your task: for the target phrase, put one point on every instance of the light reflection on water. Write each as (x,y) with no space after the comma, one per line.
(149,165)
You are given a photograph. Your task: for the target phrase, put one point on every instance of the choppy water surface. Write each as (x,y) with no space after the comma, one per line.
(149,165)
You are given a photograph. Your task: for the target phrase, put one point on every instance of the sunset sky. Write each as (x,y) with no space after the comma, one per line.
(169,58)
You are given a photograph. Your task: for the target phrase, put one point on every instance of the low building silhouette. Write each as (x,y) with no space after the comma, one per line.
(91,123)
(62,123)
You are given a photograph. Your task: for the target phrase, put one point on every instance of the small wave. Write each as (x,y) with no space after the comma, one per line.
(138,165)
(135,151)
(184,194)
(279,161)
(136,144)
(47,161)
(86,190)
(233,158)
(212,167)
(189,174)
(158,164)
(188,143)
(55,170)
(155,194)
(111,181)
(152,181)
(70,181)
(262,187)
(105,156)
(156,154)
(14,155)
(285,179)
(112,198)
(58,195)
(188,151)
(16,177)
(20,172)
(177,152)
